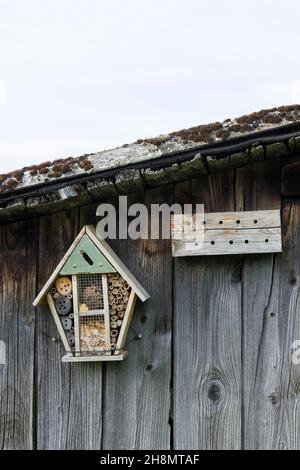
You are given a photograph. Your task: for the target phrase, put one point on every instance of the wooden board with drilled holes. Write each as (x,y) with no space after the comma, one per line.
(227,233)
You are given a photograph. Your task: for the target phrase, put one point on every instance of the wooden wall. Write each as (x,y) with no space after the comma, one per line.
(212,368)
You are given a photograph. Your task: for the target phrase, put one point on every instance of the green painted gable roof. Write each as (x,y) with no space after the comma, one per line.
(86,259)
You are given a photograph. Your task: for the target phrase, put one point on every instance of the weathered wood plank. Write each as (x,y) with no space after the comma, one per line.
(237,220)
(262,351)
(272,403)
(290,185)
(230,242)
(137,393)
(69,402)
(18,255)
(226,233)
(207,335)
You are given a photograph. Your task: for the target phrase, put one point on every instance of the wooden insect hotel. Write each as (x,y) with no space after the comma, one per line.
(92,295)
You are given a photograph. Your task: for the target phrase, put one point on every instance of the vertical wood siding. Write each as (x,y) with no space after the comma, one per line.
(209,363)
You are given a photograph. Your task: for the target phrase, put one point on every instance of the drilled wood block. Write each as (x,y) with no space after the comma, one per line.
(223,233)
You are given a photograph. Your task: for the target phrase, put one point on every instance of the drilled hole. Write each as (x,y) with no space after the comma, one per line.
(212,242)
(220,222)
(246,241)
(238,221)
(255,221)
(231,242)
(266,240)
(87,258)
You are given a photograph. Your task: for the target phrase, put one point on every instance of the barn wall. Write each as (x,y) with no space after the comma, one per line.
(209,363)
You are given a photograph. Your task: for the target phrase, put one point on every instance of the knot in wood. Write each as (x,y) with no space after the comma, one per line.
(273,398)
(143,319)
(215,391)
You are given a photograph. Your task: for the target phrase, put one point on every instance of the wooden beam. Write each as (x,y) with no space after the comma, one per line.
(120,357)
(126,321)
(76,316)
(61,331)
(106,313)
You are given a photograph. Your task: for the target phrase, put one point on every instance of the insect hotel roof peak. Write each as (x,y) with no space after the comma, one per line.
(92,295)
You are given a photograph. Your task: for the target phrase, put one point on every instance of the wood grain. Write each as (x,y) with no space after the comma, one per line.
(207,335)
(271,323)
(137,392)
(227,233)
(69,399)
(261,189)
(18,259)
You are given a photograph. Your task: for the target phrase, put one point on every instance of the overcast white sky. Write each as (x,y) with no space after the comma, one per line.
(77,76)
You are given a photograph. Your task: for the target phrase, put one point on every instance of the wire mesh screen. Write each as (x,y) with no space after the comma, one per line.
(90,293)
(92,334)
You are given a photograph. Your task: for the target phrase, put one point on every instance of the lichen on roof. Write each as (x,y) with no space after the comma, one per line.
(220,131)
(149,149)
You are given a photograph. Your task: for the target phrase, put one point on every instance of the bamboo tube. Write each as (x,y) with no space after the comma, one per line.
(114,318)
(111,287)
(119,323)
(113,340)
(114,333)
(119,296)
(56,295)
(121,314)
(115,283)
(115,276)
(122,280)
(113,347)
(70,296)
(115,291)
(53,290)
(113,311)
(113,325)
(126,286)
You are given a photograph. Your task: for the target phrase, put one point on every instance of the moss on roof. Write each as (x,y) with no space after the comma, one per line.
(151,148)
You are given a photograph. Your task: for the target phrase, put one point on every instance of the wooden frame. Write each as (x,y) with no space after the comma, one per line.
(119,357)
(106,313)
(126,322)
(58,323)
(76,316)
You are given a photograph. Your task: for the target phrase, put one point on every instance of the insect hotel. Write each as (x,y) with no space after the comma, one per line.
(92,296)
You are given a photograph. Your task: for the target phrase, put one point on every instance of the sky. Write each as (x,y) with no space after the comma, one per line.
(79,76)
